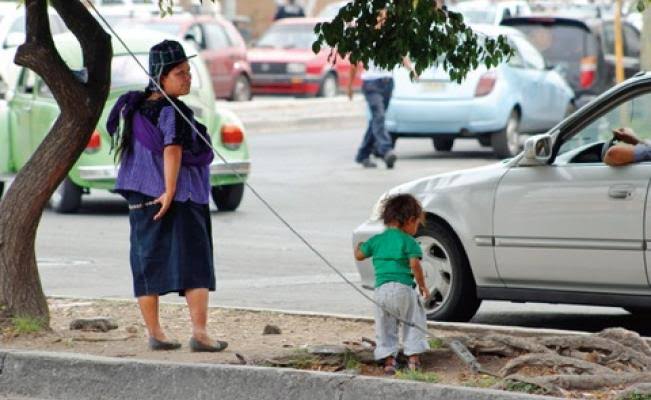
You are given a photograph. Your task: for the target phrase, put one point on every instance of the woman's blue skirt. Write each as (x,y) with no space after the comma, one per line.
(173,254)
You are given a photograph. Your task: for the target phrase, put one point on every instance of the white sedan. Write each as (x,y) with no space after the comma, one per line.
(553,224)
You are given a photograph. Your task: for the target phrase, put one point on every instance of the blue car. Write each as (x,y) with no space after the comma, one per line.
(496,106)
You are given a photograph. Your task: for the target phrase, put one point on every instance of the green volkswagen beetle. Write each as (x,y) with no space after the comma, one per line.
(28,110)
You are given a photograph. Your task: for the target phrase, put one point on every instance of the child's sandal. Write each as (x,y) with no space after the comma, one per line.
(390,367)
(413,365)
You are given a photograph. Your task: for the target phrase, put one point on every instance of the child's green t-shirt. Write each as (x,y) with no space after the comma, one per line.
(391,251)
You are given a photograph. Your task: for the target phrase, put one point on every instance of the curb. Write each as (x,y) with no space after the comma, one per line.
(57,376)
(279,115)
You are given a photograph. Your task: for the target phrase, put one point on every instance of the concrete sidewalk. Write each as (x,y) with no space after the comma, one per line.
(291,114)
(67,376)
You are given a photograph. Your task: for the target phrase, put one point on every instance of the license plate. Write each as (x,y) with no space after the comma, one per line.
(432,86)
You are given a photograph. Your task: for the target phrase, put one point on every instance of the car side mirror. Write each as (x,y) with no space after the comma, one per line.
(538,150)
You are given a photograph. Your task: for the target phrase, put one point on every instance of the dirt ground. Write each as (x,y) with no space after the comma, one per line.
(243,330)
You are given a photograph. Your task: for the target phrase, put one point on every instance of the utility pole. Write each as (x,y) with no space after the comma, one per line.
(619,44)
(645,40)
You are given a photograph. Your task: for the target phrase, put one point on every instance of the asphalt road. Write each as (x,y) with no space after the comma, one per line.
(310,178)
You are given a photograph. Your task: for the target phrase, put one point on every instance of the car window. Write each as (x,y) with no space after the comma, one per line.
(532,57)
(27,81)
(632,114)
(126,72)
(197,35)
(562,45)
(516,60)
(288,36)
(631,42)
(216,37)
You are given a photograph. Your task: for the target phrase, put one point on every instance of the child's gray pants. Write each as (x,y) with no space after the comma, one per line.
(400,300)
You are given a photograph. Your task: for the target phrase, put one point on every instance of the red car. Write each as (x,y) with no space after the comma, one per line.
(282,62)
(220,45)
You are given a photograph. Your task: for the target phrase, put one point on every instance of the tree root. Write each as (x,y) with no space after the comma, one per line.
(639,389)
(101,339)
(555,383)
(554,361)
(507,346)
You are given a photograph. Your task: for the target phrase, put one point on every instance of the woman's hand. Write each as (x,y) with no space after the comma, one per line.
(165,201)
(626,135)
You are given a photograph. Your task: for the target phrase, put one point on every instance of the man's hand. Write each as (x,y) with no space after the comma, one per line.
(626,135)
(424,291)
(165,201)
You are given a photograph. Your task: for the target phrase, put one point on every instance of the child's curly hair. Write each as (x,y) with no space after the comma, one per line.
(400,208)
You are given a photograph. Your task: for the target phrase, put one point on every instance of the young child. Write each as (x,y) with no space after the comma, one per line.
(396,260)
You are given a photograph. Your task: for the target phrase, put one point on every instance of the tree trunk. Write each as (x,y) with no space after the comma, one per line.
(81,105)
(645,40)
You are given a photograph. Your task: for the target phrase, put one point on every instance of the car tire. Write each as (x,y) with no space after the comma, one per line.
(241,89)
(66,199)
(2,188)
(228,197)
(484,140)
(443,144)
(639,311)
(453,293)
(328,86)
(506,143)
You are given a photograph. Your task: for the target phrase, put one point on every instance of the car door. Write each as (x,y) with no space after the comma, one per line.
(221,57)
(577,224)
(21,114)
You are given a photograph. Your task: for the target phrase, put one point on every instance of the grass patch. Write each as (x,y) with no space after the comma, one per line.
(351,361)
(302,359)
(435,343)
(419,376)
(637,396)
(481,381)
(523,387)
(24,325)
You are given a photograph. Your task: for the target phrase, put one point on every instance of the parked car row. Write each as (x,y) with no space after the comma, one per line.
(548,225)
(28,111)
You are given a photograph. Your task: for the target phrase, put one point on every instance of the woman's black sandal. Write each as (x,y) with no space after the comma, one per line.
(197,346)
(155,344)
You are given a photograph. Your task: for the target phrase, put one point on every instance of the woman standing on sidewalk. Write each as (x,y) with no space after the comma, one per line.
(164,175)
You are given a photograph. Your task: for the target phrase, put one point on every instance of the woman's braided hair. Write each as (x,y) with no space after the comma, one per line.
(400,208)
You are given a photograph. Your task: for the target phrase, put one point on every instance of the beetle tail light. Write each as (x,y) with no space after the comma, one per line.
(232,136)
(94,143)
(486,84)
(588,72)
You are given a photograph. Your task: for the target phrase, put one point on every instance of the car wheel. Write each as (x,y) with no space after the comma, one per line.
(66,199)
(328,86)
(639,311)
(228,197)
(443,144)
(241,89)
(506,143)
(484,140)
(448,276)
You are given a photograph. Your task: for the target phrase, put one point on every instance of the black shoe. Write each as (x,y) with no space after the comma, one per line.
(390,159)
(367,163)
(155,344)
(197,346)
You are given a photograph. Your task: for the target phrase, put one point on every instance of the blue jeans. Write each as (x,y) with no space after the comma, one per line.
(376,139)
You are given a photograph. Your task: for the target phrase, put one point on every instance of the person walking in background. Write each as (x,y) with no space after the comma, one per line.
(164,176)
(396,261)
(377,87)
(289,10)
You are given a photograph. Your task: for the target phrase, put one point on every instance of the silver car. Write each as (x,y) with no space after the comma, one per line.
(553,224)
